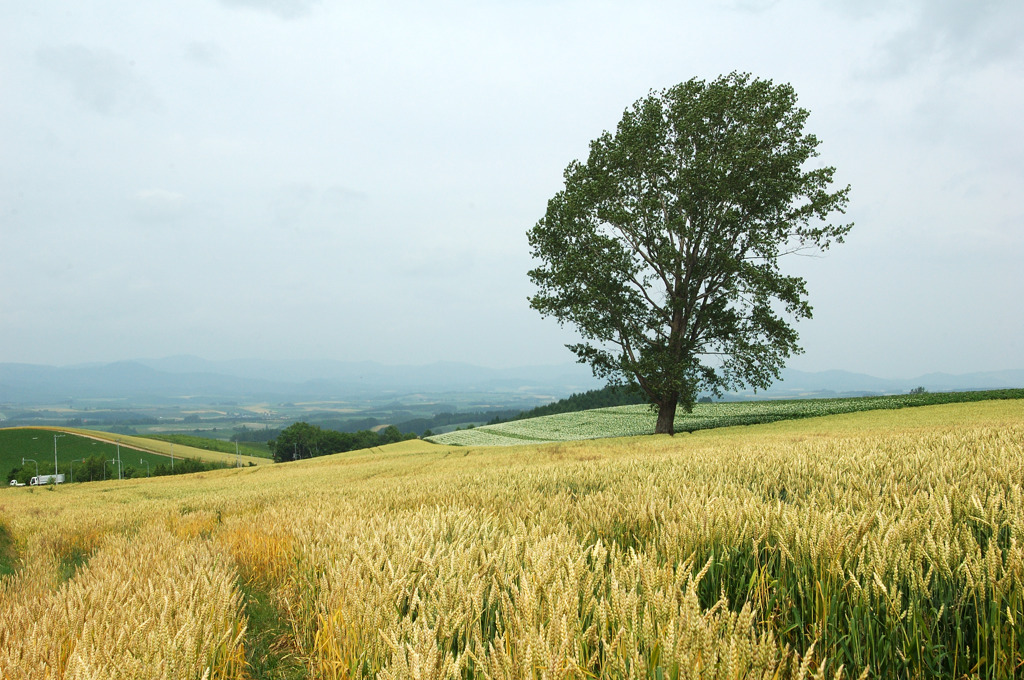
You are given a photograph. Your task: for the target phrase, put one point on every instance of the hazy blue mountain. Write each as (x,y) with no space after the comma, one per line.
(181,377)
(936,382)
(193,377)
(383,376)
(799,383)
(367,375)
(23,383)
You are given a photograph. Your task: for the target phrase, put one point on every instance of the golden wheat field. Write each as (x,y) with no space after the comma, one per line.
(886,544)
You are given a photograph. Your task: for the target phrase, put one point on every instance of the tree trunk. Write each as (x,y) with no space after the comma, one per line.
(667,415)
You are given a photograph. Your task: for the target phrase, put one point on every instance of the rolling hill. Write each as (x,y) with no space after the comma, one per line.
(881,542)
(37,445)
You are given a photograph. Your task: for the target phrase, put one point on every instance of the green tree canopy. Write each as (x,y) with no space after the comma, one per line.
(302,440)
(663,248)
(297,441)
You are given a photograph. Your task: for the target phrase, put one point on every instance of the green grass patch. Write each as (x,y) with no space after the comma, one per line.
(37,445)
(244,448)
(269,653)
(71,562)
(8,554)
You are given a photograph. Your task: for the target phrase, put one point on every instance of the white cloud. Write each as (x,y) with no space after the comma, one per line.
(158,205)
(100,79)
(286,9)
(305,207)
(397,152)
(955,35)
(205,53)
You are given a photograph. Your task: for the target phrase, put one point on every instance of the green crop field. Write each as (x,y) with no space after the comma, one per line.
(37,444)
(245,449)
(626,421)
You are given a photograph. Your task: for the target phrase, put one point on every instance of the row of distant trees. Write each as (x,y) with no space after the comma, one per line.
(610,395)
(303,440)
(417,426)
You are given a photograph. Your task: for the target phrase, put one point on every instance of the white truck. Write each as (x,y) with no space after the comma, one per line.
(46,479)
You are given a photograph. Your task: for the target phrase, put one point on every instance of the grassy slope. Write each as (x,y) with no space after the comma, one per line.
(37,443)
(165,448)
(208,444)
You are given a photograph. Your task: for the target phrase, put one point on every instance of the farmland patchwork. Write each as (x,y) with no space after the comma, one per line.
(626,421)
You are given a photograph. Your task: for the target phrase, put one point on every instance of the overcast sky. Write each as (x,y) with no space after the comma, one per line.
(343,180)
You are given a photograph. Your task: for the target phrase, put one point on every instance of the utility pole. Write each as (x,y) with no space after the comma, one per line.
(72,465)
(119,459)
(55,478)
(34,461)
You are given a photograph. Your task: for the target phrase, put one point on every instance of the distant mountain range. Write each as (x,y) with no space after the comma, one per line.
(156,380)
(195,378)
(843,383)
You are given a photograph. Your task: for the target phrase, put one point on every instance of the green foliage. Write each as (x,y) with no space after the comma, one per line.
(302,440)
(390,435)
(8,555)
(250,435)
(297,441)
(70,562)
(663,249)
(185,466)
(421,425)
(267,627)
(95,468)
(350,425)
(609,395)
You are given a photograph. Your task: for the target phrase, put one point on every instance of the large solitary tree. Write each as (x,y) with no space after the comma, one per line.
(663,249)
